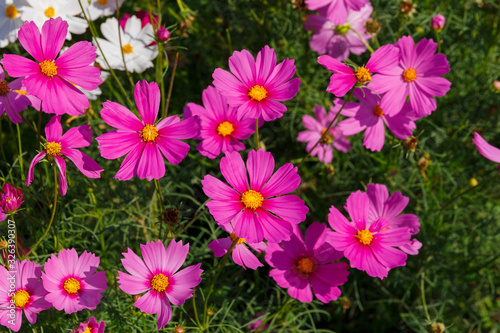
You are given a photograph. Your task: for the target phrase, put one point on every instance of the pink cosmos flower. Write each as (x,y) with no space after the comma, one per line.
(418,75)
(335,10)
(256,87)
(369,247)
(53,80)
(21,291)
(381,205)
(338,40)
(344,77)
(304,262)
(13,98)
(371,115)
(143,140)
(220,129)
(241,254)
(158,275)
(259,318)
(316,127)
(2,215)
(92,326)
(260,209)
(438,22)
(484,148)
(11,198)
(72,282)
(59,145)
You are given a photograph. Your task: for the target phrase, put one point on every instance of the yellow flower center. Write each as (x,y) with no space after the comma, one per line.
(102,2)
(149,133)
(48,68)
(225,128)
(21,298)
(88,330)
(257,93)
(127,48)
(377,110)
(11,11)
(72,286)
(342,29)
(3,87)
(305,265)
(53,148)
(409,75)
(252,199)
(159,282)
(327,139)
(362,75)
(234,237)
(364,237)
(50,12)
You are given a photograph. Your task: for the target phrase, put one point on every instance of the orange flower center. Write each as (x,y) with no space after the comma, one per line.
(362,75)
(225,128)
(327,139)
(102,2)
(48,68)
(53,148)
(377,110)
(149,133)
(72,286)
(159,282)
(21,298)
(3,87)
(409,75)
(11,11)
(252,199)
(364,237)
(305,265)
(127,48)
(234,237)
(257,93)
(50,12)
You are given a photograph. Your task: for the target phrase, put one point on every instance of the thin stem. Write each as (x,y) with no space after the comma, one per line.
(32,127)
(364,41)
(171,85)
(54,207)
(256,134)
(422,292)
(438,41)
(195,310)
(121,45)
(20,158)
(328,128)
(162,206)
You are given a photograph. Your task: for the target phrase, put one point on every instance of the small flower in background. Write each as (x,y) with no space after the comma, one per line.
(369,247)
(373,27)
(99,8)
(344,77)
(316,128)
(302,263)
(41,11)
(370,116)
(59,145)
(260,209)
(241,254)
(159,275)
(72,282)
(496,85)
(144,140)
(339,40)
(162,35)
(220,131)
(92,326)
(28,296)
(11,198)
(335,10)
(256,87)
(408,8)
(438,22)
(484,148)
(49,79)
(10,21)
(410,143)
(135,45)
(418,75)
(257,320)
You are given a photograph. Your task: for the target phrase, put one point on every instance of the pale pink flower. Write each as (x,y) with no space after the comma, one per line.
(335,10)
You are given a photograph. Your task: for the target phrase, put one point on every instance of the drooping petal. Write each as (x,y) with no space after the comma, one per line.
(61,164)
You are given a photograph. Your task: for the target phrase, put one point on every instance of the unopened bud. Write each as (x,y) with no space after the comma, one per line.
(437,327)
(496,85)
(410,143)
(162,35)
(373,26)
(438,22)
(179,329)
(136,297)
(408,8)
(3,244)
(473,182)
(210,312)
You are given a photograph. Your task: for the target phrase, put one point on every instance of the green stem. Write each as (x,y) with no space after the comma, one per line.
(364,41)
(422,292)
(32,128)
(171,85)
(195,310)
(256,134)
(121,45)
(162,206)
(20,158)
(438,41)
(328,128)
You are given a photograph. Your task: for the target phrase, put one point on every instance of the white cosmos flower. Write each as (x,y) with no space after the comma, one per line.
(10,20)
(137,51)
(100,8)
(42,10)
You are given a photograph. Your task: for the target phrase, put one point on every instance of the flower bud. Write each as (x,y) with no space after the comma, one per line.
(162,35)
(437,327)
(3,244)
(437,22)
(496,85)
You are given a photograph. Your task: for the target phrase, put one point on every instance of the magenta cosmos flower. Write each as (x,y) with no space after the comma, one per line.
(92,326)
(2,214)
(371,115)
(158,275)
(344,77)
(144,140)
(316,128)
(338,40)
(490,152)
(335,10)
(241,254)
(256,87)
(418,75)
(59,145)
(220,130)
(369,247)
(21,291)
(11,198)
(72,282)
(260,209)
(390,208)
(304,262)
(53,80)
